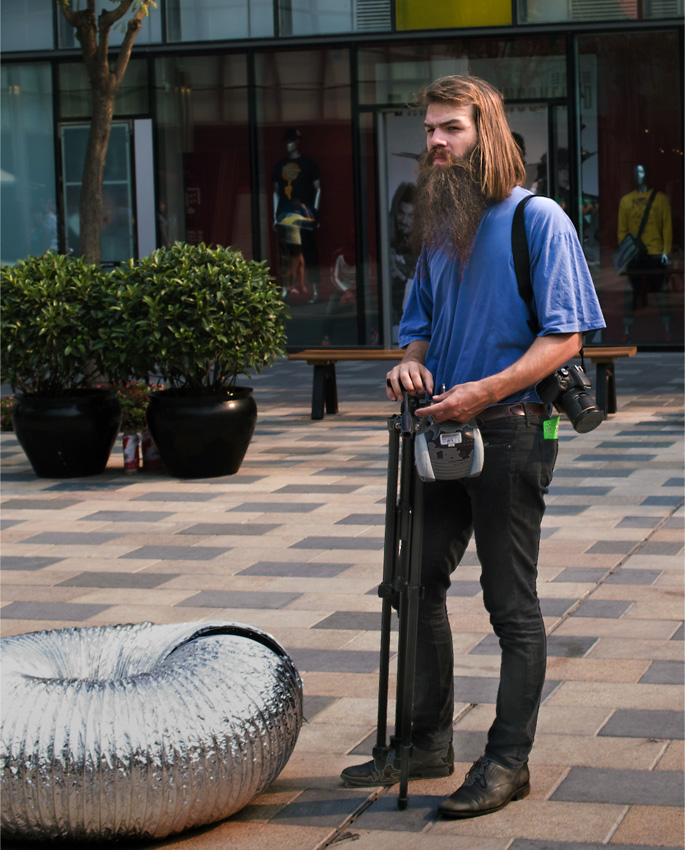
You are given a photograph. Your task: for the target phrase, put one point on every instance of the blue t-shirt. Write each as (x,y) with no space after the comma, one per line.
(477,324)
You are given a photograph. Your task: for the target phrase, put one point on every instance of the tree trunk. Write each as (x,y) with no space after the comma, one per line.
(90,203)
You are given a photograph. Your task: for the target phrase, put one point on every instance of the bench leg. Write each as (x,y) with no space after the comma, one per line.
(324,390)
(606,388)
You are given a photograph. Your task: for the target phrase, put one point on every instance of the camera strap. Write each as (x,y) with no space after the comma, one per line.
(521,254)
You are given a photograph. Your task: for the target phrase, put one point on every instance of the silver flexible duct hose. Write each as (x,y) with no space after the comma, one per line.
(141,730)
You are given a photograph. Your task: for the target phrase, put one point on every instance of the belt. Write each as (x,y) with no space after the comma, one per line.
(502,411)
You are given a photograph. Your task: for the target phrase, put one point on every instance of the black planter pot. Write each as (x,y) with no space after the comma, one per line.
(70,436)
(202,436)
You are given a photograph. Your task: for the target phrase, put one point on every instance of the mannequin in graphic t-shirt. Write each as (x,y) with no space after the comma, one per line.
(297,194)
(649,272)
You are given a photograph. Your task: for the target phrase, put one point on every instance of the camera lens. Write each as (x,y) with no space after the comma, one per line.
(584,414)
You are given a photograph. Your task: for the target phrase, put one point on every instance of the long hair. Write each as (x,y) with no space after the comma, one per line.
(496,159)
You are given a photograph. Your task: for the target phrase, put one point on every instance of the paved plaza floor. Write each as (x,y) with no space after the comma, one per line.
(293,544)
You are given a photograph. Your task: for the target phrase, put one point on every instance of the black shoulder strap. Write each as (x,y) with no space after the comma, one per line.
(646,213)
(519,248)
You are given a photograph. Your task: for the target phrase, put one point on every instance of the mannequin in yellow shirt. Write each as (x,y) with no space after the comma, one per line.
(651,270)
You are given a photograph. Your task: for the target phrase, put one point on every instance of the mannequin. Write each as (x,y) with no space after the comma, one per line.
(648,272)
(296,197)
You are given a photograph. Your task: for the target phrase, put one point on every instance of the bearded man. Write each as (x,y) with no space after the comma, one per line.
(465,329)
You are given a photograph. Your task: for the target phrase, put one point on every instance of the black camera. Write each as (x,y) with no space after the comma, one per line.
(567,390)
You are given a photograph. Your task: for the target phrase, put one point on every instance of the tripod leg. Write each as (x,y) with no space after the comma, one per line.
(386,588)
(411,520)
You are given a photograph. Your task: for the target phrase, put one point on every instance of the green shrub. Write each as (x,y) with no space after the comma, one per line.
(54,322)
(196,316)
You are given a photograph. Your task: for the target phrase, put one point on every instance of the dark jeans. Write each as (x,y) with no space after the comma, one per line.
(504,508)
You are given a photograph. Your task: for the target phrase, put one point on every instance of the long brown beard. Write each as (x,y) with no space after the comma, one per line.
(448,207)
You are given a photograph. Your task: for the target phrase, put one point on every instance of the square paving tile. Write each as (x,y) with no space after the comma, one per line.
(71,538)
(327,808)
(67,611)
(337,543)
(623,576)
(623,787)
(637,522)
(276,507)
(122,580)
(680,633)
(362,519)
(580,574)
(315,704)
(558,646)
(611,547)
(483,689)
(239,599)
(318,488)
(127,516)
(230,528)
(355,621)
(643,723)
(294,570)
(662,501)
(565,510)
(10,523)
(555,607)
(383,814)
(174,496)
(39,504)
(335,661)
(176,553)
(664,673)
(28,562)
(613,608)
(85,486)
(576,490)
(661,548)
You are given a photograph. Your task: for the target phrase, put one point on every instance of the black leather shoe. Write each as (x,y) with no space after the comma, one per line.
(487,788)
(423,764)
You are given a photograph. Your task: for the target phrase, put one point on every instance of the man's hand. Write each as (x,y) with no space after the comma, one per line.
(410,373)
(462,402)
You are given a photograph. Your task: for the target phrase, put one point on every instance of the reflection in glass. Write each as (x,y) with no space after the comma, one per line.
(203,151)
(631,115)
(212,20)
(307,191)
(27,187)
(116,234)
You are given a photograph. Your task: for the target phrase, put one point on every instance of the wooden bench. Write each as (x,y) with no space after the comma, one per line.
(325,388)
(605,357)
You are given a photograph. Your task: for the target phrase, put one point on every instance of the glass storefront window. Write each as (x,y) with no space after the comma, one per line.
(321,17)
(631,143)
(203,151)
(213,20)
(116,234)
(307,192)
(27,187)
(150,30)
(75,94)
(27,25)
(663,8)
(551,11)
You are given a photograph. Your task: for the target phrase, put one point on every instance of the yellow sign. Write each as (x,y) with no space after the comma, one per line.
(447,14)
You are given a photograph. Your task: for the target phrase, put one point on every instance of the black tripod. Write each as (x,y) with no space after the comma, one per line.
(401,584)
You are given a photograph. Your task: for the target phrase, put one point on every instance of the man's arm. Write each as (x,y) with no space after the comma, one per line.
(410,373)
(464,401)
